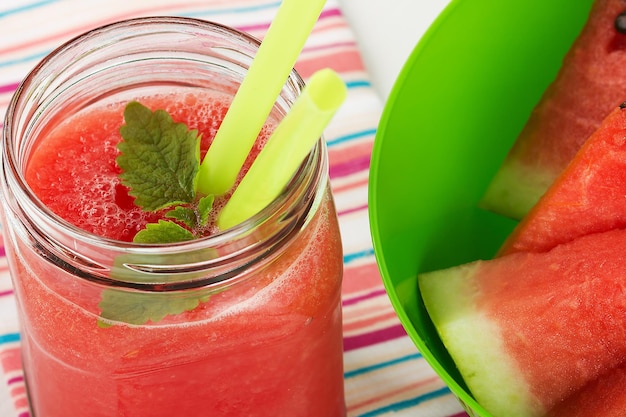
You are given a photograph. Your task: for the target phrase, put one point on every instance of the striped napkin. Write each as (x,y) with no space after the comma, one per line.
(384,373)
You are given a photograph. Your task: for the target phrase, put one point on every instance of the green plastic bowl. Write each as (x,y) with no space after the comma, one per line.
(458,104)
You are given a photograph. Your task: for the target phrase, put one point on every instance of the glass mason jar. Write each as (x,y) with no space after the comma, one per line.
(244,322)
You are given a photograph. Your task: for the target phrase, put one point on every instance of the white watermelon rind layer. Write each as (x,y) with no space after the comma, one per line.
(475,343)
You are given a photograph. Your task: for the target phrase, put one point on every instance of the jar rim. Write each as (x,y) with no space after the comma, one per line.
(45,218)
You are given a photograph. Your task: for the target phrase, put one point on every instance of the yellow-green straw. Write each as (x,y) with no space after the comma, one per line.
(255,98)
(286,148)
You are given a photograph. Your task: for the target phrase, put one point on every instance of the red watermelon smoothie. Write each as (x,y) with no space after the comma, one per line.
(243,322)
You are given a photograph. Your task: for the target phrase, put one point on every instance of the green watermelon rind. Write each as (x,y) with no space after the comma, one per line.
(475,343)
(515,189)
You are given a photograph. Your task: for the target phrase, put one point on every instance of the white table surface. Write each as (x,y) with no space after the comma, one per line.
(387,31)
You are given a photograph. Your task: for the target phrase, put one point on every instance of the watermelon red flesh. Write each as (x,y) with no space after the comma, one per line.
(528,329)
(605,397)
(590,83)
(588,197)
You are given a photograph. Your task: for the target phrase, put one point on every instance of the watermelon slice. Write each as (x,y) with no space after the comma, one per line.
(590,83)
(588,197)
(527,329)
(604,397)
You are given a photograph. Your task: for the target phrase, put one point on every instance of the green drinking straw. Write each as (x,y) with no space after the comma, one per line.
(255,98)
(286,148)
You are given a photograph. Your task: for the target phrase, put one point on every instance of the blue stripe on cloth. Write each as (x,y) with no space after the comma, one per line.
(34,57)
(358,84)
(245,9)
(352,136)
(9,338)
(26,7)
(377,366)
(349,257)
(402,405)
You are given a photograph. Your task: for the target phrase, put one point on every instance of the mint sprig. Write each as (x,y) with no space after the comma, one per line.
(163,232)
(160,160)
(144,307)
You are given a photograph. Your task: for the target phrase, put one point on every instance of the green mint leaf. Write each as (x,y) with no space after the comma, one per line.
(163,232)
(205,205)
(141,308)
(135,307)
(184,215)
(159,158)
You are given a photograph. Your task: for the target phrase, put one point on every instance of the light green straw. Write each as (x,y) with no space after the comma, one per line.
(286,148)
(255,98)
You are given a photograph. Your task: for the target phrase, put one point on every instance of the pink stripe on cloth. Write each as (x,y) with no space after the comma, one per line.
(350,167)
(340,155)
(359,325)
(15,379)
(367,296)
(340,61)
(358,278)
(338,188)
(21,401)
(10,359)
(373,400)
(378,336)
(262,27)
(9,88)
(352,210)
